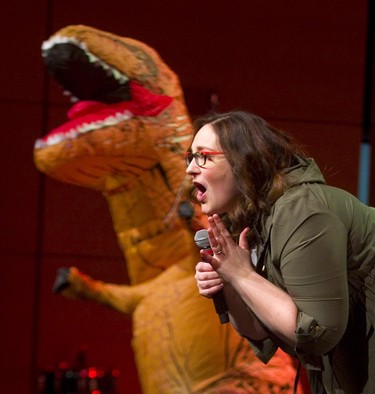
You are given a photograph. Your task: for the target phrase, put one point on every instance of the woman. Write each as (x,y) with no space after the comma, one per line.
(294,256)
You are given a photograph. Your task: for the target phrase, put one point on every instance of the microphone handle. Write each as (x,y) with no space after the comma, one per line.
(221,306)
(219,302)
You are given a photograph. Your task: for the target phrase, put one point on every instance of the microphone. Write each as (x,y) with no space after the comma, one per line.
(201,240)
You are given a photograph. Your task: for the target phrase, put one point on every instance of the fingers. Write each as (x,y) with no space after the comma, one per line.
(219,236)
(243,242)
(214,240)
(204,271)
(218,228)
(205,268)
(218,268)
(208,281)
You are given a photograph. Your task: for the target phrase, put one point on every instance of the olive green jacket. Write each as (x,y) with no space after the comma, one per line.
(319,246)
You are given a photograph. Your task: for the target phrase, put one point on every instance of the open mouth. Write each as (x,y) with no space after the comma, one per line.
(103,95)
(200,192)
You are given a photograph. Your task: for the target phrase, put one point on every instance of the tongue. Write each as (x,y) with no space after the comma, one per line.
(83,108)
(200,195)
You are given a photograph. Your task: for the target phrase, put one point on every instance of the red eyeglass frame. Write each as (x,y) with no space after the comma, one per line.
(202,153)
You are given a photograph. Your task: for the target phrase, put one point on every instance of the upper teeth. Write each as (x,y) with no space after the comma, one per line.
(55,40)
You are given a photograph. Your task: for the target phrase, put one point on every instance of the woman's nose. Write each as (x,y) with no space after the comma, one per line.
(192,168)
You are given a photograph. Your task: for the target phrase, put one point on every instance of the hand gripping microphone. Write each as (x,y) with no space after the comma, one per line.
(201,240)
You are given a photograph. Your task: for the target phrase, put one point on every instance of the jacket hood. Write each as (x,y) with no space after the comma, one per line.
(304,171)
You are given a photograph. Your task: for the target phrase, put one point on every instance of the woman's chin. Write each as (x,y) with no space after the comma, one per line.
(205,209)
(208,210)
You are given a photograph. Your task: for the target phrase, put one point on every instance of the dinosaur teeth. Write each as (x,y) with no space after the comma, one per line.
(52,140)
(116,74)
(92,58)
(56,40)
(111,120)
(83,128)
(71,134)
(72,99)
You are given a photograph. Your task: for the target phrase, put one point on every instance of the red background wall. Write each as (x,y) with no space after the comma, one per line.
(301,65)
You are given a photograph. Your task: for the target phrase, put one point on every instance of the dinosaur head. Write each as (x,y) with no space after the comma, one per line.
(129,113)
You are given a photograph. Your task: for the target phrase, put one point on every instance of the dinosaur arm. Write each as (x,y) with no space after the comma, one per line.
(74,284)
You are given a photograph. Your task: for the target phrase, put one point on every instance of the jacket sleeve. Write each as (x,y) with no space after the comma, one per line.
(310,254)
(306,256)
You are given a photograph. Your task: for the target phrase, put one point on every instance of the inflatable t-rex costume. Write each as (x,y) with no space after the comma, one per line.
(125,139)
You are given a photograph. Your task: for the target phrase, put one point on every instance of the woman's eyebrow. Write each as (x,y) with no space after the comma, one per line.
(204,148)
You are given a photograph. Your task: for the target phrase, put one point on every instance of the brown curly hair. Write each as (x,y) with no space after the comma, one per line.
(258,154)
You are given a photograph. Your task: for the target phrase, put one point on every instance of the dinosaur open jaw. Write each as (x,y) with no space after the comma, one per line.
(104,97)
(82,74)
(88,116)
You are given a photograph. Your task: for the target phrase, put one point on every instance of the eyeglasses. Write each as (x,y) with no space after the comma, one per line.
(199,157)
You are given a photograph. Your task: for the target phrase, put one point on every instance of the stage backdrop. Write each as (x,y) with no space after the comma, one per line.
(300,65)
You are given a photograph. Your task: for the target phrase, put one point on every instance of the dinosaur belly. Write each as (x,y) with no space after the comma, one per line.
(180,348)
(177,340)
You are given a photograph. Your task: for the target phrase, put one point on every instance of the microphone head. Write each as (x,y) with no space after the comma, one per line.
(201,239)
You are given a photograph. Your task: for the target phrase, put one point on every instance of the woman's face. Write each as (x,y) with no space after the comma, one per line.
(215,183)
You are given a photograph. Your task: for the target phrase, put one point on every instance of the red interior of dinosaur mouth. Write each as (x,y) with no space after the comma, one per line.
(87,116)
